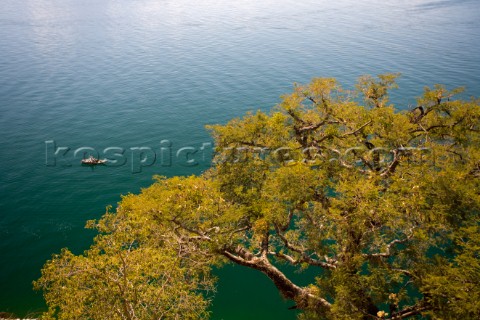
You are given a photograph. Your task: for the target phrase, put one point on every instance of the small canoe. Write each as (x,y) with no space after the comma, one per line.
(93,161)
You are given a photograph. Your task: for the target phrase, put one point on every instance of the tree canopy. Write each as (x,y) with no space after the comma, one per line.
(382,203)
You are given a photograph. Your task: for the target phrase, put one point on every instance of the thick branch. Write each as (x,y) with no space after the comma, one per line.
(289,290)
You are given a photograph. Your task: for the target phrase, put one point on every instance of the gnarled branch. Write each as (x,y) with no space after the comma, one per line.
(302,296)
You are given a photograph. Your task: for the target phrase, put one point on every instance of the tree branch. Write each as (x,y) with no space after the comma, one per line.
(289,290)
(388,251)
(304,256)
(295,117)
(285,241)
(355,131)
(317,125)
(200,234)
(411,311)
(289,221)
(391,168)
(264,245)
(422,129)
(304,259)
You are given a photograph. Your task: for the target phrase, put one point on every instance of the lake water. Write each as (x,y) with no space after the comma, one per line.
(130,74)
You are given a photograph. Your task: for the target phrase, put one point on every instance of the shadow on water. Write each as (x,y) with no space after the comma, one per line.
(93,166)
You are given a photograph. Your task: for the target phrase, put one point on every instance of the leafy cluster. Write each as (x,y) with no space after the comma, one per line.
(137,268)
(384,204)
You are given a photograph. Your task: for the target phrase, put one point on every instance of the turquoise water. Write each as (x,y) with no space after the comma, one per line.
(129,74)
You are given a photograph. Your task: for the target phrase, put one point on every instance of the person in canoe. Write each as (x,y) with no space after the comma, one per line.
(92,161)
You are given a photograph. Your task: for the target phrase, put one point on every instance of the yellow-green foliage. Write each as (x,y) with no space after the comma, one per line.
(382,204)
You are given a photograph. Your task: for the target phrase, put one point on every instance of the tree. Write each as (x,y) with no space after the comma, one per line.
(384,203)
(132,271)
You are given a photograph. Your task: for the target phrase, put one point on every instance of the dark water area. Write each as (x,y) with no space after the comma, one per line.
(131,74)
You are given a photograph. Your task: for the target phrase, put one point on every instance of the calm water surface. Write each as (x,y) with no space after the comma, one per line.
(97,73)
